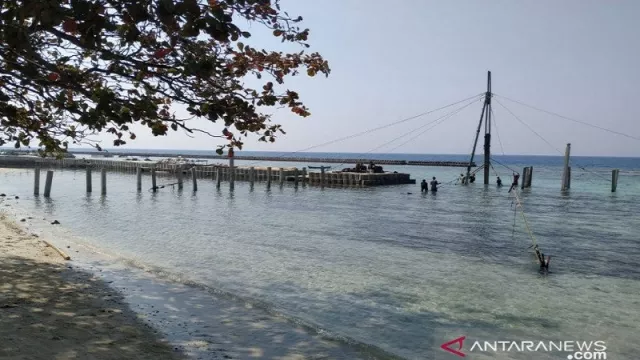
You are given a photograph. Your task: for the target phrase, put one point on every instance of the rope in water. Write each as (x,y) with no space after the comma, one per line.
(526,223)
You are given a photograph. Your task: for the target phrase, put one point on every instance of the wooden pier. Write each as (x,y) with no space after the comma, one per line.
(213,172)
(300,159)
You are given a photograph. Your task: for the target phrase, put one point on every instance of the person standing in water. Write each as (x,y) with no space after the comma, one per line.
(499,182)
(516,176)
(434,184)
(424,187)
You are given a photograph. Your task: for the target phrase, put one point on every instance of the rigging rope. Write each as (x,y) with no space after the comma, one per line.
(568,118)
(553,147)
(492,159)
(494,170)
(526,223)
(529,127)
(374,129)
(493,118)
(448,116)
(435,123)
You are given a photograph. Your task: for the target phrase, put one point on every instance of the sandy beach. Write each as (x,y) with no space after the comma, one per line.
(97,306)
(49,310)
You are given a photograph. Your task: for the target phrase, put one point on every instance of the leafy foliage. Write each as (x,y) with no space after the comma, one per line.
(71,68)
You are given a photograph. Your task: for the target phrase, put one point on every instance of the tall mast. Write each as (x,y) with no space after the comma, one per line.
(487,130)
(486,116)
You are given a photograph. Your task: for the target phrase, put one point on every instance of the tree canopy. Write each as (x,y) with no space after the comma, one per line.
(72,68)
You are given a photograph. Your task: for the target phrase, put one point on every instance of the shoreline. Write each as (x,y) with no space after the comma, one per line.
(51,310)
(183,319)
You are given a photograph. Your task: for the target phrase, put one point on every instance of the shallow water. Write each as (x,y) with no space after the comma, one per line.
(404,272)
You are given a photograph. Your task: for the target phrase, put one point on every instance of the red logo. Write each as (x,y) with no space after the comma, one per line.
(458,341)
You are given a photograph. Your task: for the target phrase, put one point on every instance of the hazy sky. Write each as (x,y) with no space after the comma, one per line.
(395,59)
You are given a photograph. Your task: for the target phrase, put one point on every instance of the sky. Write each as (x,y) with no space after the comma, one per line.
(392,60)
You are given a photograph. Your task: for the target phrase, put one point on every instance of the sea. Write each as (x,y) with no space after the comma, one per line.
(387,269)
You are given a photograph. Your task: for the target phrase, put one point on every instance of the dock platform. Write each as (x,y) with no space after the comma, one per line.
(241,173)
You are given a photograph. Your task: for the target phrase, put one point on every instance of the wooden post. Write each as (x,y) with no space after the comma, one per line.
(89,189)
(304,176)
(252,175)
(269,177)
(218,177)
(103,181)
(47,183)
(194,179)
(614,179)
(232,174)
(566,174)
(139,178)
(180,177)
(36,181)
(154,187)
(281,176)
(530,175)
(322,176)
(525,173)
(295,176)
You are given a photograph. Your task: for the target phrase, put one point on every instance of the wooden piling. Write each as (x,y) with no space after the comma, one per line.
(566,174)
(88,175)
(252,175)
(180,177)
(103,181)
(47,183)
(281,176)
(304,176)
(194,178)
(218,177)
(614,179)
(269,175)
(36,181)
(322,177)
(154,186)
(529,176)
(139,178)
(232,174)
(295,176)
(525,172)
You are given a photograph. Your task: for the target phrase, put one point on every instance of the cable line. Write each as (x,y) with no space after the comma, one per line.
(573,162)
(495,123)
(376,129)
(434,122)
(529,127)
(570,119)
(444,118)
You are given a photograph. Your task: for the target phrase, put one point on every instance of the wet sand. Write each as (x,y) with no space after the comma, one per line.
(49,310)
(99,306)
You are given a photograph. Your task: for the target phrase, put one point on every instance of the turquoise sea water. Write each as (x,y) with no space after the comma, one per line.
(388,266)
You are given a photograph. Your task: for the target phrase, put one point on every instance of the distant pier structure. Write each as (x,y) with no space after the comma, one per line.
(213,172)
(300,159)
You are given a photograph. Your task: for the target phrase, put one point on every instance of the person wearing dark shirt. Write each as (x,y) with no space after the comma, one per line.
(499,182)
(434,184)
(424,187)
(516,176)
